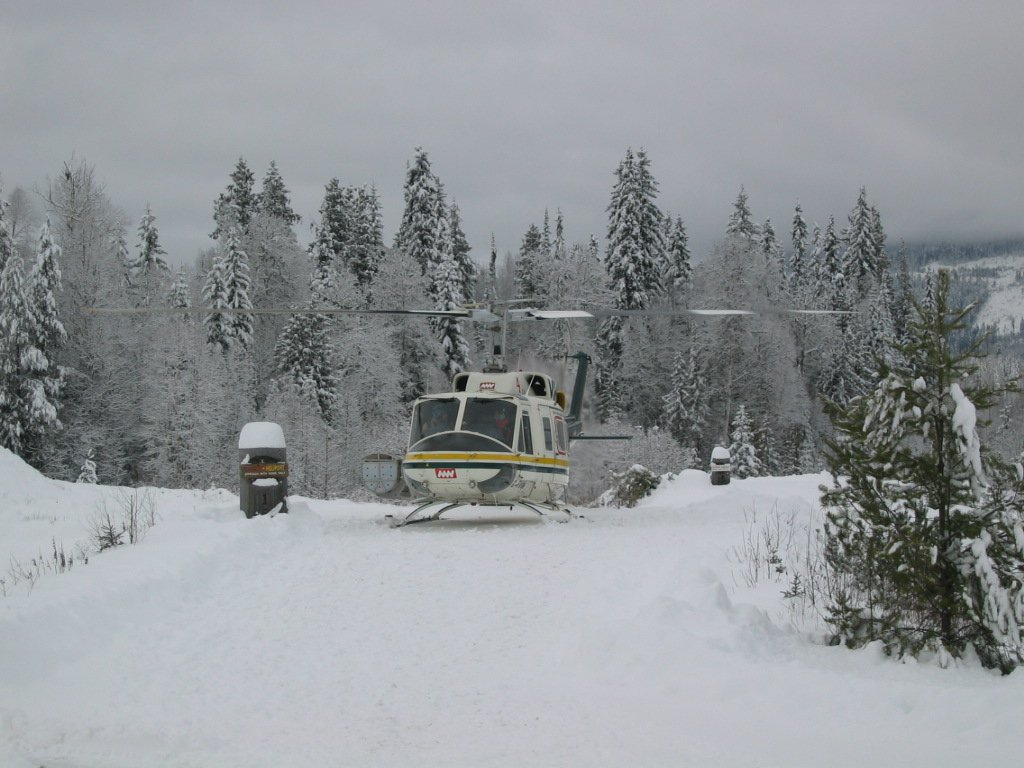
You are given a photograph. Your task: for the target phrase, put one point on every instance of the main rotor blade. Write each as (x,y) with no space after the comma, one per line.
(274,311)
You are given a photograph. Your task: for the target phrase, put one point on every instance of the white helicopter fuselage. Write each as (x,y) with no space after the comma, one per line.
(496,439)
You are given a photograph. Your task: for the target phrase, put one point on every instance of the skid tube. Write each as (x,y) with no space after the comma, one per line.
(413,517)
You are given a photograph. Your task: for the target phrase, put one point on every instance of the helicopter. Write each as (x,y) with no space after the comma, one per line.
(497,438)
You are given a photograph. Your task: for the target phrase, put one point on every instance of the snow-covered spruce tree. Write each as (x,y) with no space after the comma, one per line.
(687,405)
(676,268)
(741,223)
(218,324)
(607,386)
(424,206)
(925,528)
(305,358)
(273,199)
(796,273)
(332,233)
(367,247)
(234,271)
(150,266)
(635,244)
(235,205)
(848,367)
(860,262)
(635,252)
(558,248)
(770,248)
(529,278)
(742,452)
(447,280)
(180,297)
(44,285)
(461,249)
(830,277)
(26,408)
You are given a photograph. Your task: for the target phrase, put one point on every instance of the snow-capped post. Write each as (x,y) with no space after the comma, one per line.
(263,469)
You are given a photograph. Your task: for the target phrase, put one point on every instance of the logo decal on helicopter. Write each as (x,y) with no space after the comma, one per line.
(486,385)
(445,474)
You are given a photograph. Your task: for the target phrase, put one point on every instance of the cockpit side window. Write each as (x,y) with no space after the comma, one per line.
(433,416)
(525,434)
(561,436)
(548,443)
(490,417)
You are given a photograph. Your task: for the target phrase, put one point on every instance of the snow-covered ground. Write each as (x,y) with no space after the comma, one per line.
(325,638)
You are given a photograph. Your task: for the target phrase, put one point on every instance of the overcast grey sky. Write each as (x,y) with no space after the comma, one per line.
(524,106)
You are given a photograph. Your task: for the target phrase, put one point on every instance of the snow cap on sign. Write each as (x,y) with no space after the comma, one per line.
(720,453)
(261,434)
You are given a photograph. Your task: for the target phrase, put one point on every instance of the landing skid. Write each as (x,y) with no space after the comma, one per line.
(416,517)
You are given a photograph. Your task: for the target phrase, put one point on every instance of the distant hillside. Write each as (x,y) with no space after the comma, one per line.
(920,254)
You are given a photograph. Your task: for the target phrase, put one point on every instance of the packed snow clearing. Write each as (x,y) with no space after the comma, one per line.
(646,636)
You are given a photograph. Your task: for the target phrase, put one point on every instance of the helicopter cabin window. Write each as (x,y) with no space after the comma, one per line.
(525,434)
(433,416)
(490,417)
(561,438)
(548,444)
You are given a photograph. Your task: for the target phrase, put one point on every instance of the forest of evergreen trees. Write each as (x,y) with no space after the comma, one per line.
(158,398)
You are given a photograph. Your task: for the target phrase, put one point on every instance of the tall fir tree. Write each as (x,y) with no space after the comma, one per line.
(860,262)
(529,279)
(44,287)
(446,289)
(333,233)
(742,449)
(830,276)
(677,270)
(305,357)
(635,244)
(460,250)
(273,198)
(424,207)
(687,405)
(150,267)
(635,253)
(235,205)
(26,408)
(235,272)
(180,297)
(558,246)
(741,222)
(215,296)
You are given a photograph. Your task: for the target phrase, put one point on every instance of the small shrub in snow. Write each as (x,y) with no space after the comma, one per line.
(134,514)
(54,561)
(630,486)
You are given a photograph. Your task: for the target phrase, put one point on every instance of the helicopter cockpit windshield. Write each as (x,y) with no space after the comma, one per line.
(490,417)
(433,416)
